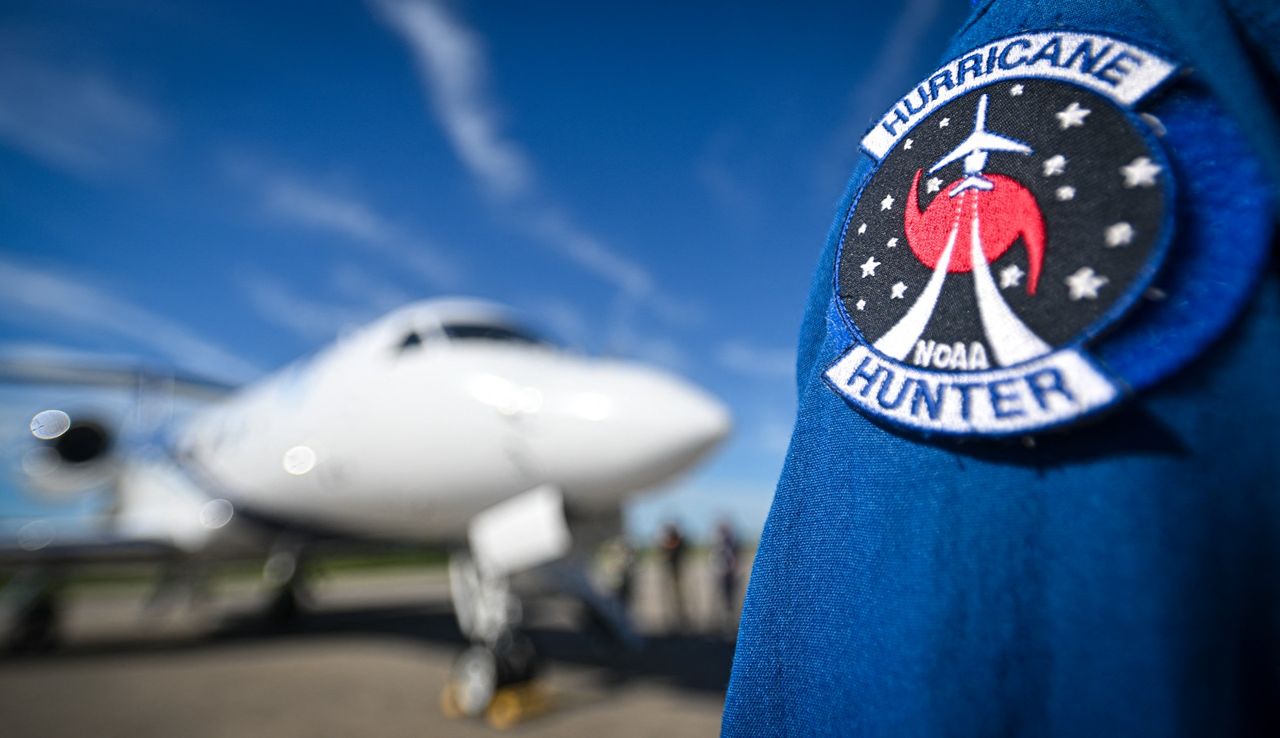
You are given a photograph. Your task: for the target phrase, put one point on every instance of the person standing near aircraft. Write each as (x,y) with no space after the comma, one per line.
(671,547)
(724,560)
(1033,487)
(619,570)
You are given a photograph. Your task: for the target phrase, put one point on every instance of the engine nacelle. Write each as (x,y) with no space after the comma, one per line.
(76,461)
(84,442)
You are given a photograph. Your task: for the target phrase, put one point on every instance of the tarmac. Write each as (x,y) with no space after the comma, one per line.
(369,657)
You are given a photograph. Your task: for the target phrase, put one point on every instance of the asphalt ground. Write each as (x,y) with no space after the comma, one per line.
(369,657)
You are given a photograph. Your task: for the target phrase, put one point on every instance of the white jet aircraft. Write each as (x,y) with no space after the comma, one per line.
(442,424)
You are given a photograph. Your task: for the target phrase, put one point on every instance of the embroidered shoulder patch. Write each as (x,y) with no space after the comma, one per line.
(1018,208)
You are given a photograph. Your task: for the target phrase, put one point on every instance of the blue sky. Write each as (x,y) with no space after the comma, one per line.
(225,186)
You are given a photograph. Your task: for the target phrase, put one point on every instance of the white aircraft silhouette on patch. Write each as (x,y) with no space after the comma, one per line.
(975,149)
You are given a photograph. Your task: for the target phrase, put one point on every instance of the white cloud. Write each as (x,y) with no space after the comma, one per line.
(48,352)
(362,297)
(774,435)
(887,81)
(451,61)
(80,121)
(307,317)
(726,189)
(656,350)
(624,340)
(293,200)
(757,361)
(49,300)
(563,318)
(310,206)
(899,53)
(357,284)
(592,254)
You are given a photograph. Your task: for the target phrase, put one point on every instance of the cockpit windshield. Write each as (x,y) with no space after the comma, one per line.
(470,332)
(490,332)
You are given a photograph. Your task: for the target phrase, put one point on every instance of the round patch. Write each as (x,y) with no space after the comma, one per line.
(1068,221)
(1008,224)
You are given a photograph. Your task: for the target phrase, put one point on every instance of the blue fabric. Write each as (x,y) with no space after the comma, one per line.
(1209,38)
(1117,579)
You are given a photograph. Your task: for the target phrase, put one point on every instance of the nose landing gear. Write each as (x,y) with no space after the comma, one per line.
(494,676)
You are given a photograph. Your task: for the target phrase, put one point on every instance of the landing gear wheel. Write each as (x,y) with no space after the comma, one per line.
(517,659)
(473,682)
(493,681)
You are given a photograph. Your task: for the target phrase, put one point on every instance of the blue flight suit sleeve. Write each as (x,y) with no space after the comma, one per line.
(1120,577)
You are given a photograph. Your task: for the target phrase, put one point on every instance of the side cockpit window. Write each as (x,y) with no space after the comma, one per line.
(411,340)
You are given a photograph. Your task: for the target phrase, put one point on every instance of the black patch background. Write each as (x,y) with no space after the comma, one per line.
(1075,230)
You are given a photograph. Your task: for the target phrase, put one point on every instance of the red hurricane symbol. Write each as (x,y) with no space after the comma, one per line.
(1005,212)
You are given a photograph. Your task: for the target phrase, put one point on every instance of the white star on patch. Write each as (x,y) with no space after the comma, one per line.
(861,305)
(1140,172)
(862,229)
(869,267)
(944,122)
(1065,192)
(907,144)
(898,291)
(1011,276)
(1015,90)
(887,202)
(1073,116)
(1084,283)
(933,185)
(1055,165)
(891,243)
(1119,234)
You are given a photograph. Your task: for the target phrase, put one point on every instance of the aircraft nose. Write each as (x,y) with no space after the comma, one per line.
(696,420)
(620,429)
(669,424)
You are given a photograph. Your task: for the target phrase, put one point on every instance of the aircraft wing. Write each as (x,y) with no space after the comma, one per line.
(981,141)
(996,142)
(106,373)
(958,153)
